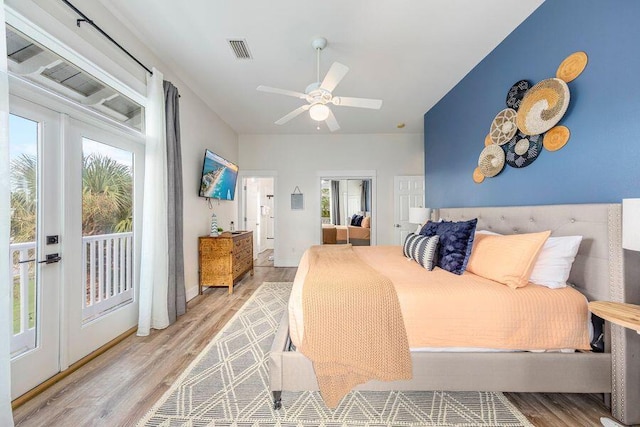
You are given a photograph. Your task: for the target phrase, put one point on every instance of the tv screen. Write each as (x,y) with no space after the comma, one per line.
(218,177)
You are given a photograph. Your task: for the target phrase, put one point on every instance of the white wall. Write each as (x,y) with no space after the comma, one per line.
(299,158)
(200,126)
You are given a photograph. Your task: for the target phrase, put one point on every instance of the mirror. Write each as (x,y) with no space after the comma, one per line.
(345,211)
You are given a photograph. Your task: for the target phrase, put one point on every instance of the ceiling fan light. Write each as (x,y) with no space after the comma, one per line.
(319,112)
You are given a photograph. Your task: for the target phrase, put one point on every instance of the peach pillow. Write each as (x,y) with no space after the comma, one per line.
(366,222)
(506,259)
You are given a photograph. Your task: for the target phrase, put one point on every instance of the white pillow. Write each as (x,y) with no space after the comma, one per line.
(554,262)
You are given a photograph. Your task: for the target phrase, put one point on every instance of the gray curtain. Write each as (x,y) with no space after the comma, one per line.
(365,198)
(335,201)
(177,300)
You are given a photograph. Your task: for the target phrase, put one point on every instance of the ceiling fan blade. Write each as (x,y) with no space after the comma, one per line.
(345,101)
(331,122)
(293,114)
(281,91)
(334,76)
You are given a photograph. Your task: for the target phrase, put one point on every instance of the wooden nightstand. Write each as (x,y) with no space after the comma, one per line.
(623,314)
(620,313)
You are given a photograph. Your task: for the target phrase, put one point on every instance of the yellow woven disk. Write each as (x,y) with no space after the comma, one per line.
(543,106)
(572,66)
(477,176)
(556,138)
(491,160)
(487,140)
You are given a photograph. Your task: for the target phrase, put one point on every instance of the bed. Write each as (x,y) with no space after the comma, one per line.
(597,273)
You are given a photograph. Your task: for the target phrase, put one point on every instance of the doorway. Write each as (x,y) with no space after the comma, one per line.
(347,209)
(258,203)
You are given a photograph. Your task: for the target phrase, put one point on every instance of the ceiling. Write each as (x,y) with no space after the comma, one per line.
(409,54)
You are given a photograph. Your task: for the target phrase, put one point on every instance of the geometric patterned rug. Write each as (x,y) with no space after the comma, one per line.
(228,385)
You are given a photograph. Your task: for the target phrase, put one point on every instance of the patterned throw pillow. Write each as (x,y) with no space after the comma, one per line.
(424,252)
(456,241)
(410,244)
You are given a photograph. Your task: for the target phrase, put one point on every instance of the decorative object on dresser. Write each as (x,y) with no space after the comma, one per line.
(224,259)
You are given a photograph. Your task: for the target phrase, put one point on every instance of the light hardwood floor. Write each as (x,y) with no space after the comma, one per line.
(119,387)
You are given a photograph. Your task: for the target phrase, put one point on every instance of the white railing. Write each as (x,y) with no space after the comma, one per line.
(107,269)
(23,275)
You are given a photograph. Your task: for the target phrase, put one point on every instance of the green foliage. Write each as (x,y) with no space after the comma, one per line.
(324,203)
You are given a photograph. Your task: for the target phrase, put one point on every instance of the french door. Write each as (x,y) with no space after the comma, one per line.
(74,238)
(36,221)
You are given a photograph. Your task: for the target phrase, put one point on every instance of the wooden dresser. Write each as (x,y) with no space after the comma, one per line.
(223,260)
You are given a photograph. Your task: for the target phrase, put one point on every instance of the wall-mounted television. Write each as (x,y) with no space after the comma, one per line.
(219,177)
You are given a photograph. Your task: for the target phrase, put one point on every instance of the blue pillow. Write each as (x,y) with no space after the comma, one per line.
(456,241)
(353,219)
(429,229)
(359,219)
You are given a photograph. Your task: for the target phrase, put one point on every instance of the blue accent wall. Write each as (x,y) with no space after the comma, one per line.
(601,162)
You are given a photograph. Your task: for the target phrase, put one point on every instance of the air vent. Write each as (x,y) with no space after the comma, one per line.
(240,48)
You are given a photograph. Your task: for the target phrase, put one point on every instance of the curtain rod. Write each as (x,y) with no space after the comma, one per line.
(86,19)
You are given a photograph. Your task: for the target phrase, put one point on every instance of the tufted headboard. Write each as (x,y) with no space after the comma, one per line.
(597,270)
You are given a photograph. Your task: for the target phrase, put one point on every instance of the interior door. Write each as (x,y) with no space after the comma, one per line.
(408,193)
(36,224)
(252,212)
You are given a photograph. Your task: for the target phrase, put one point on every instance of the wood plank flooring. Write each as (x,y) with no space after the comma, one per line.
(120,386)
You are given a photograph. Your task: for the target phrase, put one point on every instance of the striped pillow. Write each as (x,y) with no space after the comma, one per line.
(409,244)
(424,251)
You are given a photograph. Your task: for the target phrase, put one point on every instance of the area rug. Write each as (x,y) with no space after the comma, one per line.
(228,385)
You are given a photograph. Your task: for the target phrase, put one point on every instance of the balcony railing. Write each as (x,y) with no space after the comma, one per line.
(107,269)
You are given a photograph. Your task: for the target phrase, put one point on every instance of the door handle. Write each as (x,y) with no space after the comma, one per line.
(51,258)
(397,225)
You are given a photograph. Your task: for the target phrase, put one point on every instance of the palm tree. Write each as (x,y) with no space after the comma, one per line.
(107,189)
(23,198)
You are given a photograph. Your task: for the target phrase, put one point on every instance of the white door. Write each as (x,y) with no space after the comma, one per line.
(103,170)
(408,193)
(252,210)
(34,145)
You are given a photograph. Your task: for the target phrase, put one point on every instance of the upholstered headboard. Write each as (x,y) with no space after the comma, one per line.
(597,270)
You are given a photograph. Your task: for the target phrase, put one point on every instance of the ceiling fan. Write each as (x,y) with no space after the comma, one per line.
(319,94)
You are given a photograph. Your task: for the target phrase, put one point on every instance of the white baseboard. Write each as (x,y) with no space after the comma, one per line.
(191,292)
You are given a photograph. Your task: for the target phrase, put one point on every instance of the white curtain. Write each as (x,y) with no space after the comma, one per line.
(154,256)
(6,417)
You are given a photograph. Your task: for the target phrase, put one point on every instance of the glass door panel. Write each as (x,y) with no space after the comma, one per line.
(34,147)
(23,154)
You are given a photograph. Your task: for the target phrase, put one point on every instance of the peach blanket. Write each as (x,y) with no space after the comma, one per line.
(355,332)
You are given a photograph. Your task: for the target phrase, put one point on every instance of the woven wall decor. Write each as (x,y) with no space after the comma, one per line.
(487,140)
(503,126)
(478,177)
(516,93)
(543,106)
(556,138)
(522,150)
(572,66)
(491,160)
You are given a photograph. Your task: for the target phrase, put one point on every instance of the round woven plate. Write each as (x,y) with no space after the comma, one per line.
(491,160)
(503,126)
(477,176)
(556,138)
(516,93)
(487,140)
(522,150)
(572,66)
(543,106)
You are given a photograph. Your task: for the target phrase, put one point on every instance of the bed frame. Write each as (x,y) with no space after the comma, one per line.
(598,272)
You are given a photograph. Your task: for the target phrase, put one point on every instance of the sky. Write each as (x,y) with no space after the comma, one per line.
(23,136)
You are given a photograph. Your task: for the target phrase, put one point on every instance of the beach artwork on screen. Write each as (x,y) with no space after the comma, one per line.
(218,177)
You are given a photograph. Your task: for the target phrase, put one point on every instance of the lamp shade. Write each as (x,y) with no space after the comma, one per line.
(631,224)
(419,215)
